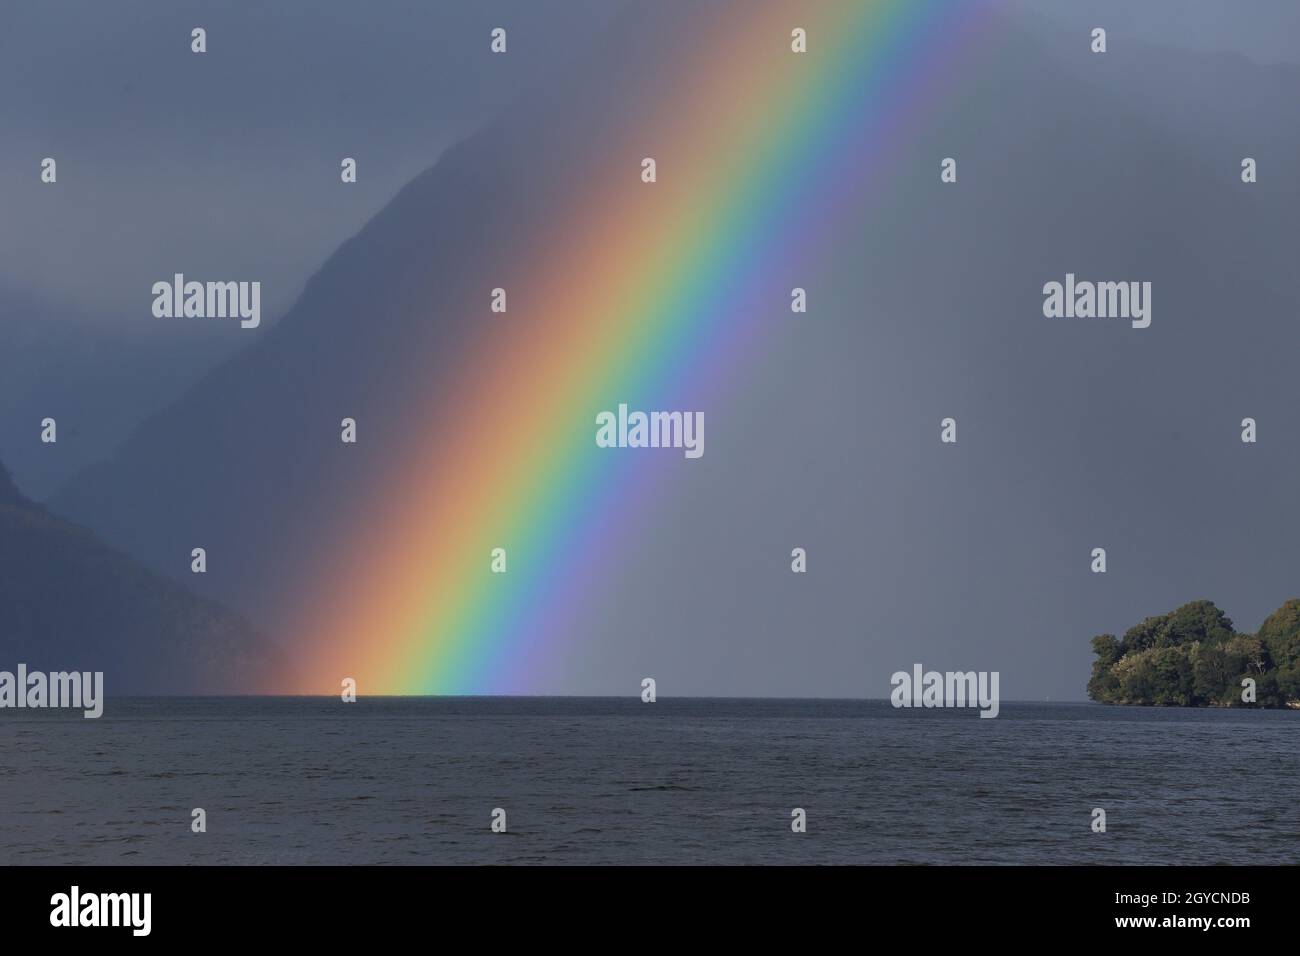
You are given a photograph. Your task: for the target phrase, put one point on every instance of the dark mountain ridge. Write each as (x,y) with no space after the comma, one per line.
(70,602)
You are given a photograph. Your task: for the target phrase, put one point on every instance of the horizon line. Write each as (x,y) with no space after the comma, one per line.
(736,697)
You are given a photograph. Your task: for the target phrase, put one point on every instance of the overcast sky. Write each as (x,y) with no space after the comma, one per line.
(1264,30)
(289,88)
(928,304)
(262,120)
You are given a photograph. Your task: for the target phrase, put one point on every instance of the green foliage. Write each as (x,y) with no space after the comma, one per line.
(1104,683)
(1280,634)
(1197,621)
(1192,657)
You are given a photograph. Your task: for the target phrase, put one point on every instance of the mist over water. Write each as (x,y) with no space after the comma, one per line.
(680,781)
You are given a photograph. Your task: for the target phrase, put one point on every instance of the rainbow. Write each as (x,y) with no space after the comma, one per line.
(766,147)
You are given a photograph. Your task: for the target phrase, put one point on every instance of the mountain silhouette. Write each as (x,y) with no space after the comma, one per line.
(95,381)
(70,602)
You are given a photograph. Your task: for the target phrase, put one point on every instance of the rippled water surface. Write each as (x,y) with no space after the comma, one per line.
(594,780)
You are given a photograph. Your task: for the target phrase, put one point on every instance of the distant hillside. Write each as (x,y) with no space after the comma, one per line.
(1192,657)
(8,493)
(97,376)
(70,602)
